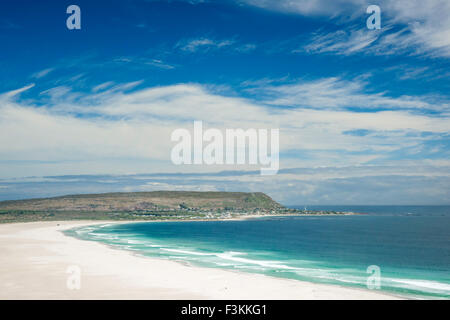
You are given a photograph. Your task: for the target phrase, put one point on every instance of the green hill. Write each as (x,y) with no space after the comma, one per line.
(138,205)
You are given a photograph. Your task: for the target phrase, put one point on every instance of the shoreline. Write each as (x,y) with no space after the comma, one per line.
(235,218)
(35,257)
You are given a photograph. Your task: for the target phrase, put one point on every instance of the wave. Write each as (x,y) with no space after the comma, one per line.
(188,252)
(307,270)
(434,286)
(230,255)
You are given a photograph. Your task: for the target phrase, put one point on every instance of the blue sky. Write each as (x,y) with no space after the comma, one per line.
(359,110)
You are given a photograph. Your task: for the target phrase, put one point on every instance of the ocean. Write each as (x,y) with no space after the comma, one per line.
(402,250)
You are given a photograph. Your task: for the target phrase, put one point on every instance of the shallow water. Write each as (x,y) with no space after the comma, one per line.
(410,246)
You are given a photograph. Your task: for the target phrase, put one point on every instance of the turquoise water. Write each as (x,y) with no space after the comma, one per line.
(410,245)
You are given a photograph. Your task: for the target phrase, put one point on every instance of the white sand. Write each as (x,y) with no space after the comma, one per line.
(34,258)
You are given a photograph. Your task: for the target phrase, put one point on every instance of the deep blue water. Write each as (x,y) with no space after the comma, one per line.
(409,244)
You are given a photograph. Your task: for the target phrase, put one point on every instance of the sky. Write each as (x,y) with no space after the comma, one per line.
(363,114)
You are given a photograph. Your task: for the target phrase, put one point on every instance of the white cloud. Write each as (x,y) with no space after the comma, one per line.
(120,131)
(330,8)
(206,44)
(203,43)
(427,21)
(342,42)
(11,94)
(424,25)
(159,64)
(42,73)
(336,93)
(102,86)
(143,61)
(413,73)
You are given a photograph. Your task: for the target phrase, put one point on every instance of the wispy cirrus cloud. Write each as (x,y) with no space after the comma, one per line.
(408,72)
(13,93)
(102,86)
(159,64)
(411,27)
(139,62)
(42,73)
(194,45)
(329,8)
(208,44)
(382,42)
(345,42)
(337,93)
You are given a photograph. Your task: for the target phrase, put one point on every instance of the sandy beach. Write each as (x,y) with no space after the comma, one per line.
(35,258)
